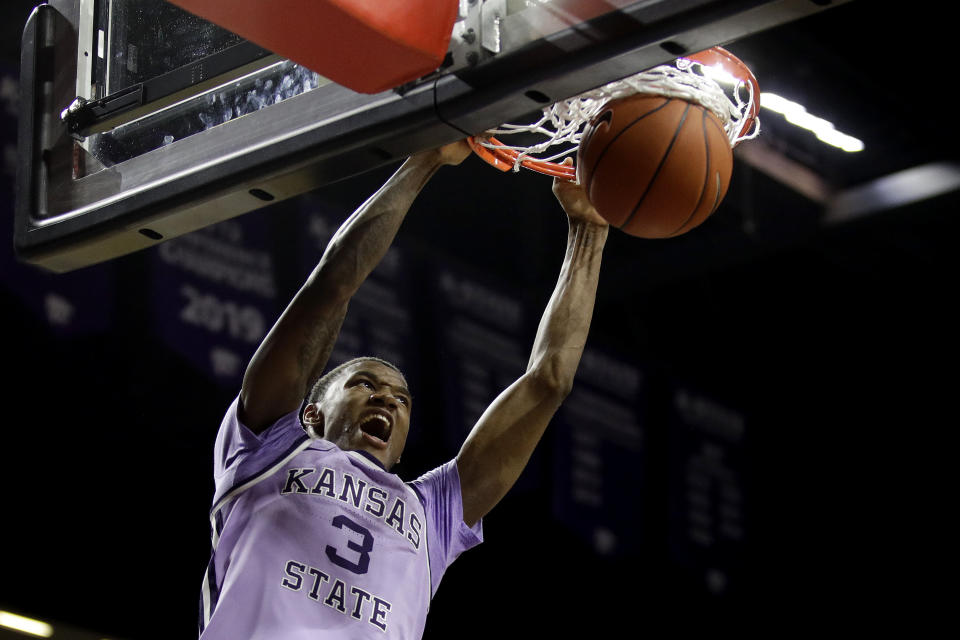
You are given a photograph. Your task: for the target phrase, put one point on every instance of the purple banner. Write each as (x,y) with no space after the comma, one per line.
(214,295)
(706,490)
(599,458)
(481,352)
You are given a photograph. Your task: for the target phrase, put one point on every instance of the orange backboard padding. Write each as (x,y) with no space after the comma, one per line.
(365,45)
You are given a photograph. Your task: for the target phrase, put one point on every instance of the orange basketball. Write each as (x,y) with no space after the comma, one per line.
(653,166)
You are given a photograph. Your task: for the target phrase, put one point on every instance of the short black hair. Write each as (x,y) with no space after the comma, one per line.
(319,387)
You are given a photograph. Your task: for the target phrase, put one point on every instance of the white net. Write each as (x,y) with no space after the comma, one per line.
(561,126)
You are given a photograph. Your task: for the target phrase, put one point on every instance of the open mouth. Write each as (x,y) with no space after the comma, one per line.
(376,428)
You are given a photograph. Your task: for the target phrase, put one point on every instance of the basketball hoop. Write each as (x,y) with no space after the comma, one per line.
(714,79)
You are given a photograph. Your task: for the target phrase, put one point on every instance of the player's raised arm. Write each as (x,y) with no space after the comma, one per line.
(499,446)
(295,351)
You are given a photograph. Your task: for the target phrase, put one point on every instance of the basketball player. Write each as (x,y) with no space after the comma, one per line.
(313,537)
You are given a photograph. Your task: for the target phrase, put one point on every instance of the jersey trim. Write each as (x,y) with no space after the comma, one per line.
(210,592)
(426,543)
(365,458)
(243,485)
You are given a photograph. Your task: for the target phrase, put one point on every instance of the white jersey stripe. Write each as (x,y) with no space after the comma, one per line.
(426,542)
(249,483)
(205,596)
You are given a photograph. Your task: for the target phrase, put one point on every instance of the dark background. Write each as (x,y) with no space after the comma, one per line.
(832,342)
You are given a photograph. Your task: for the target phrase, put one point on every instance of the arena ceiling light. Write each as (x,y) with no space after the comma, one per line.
(796,114)
(25,625)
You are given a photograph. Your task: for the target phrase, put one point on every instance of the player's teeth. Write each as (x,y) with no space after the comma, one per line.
(382,432)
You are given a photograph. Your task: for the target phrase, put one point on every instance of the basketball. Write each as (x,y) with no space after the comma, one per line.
(653,166)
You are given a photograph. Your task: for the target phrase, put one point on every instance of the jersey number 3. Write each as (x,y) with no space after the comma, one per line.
(362,548)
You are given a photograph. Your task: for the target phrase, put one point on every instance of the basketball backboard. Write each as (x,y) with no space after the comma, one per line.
(141,122)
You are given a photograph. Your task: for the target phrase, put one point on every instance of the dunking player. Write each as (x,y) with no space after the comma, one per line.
(312,534)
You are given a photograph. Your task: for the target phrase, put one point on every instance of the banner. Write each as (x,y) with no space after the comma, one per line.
(480,350)
(707,490)
(213,295)
(599,488)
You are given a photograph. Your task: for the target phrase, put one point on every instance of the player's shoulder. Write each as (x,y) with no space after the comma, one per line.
(438,473)
(437,481)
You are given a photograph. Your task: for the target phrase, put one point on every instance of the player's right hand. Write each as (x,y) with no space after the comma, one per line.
(573,199)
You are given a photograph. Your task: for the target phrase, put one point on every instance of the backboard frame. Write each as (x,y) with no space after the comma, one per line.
(547,53)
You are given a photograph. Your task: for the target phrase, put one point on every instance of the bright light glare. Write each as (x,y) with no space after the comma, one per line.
(25,625)
(719,74)
(798,115)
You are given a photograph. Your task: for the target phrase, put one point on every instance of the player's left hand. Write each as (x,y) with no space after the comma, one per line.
(451,154)
(573,199)
(454,153)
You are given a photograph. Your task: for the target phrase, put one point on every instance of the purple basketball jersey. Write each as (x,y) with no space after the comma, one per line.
(311,541)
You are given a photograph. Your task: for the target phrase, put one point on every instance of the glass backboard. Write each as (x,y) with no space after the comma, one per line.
(141,122)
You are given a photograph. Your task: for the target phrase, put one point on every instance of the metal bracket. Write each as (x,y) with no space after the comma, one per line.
(466,37)
(491,15)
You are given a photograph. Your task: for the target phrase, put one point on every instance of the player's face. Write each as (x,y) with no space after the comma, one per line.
(367,408)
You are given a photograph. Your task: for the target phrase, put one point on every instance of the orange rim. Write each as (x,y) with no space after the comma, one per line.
(718,56)
(504,159)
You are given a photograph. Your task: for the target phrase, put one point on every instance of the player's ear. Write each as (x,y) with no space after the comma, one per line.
(313,419)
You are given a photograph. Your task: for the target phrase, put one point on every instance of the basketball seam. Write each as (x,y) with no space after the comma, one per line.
(593,170)
(716,195)
(663,160)
(717,199)
(706,177)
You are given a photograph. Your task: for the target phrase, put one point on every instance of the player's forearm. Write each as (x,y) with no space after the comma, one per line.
(565,324)
(296,349)
(364,238)
(500,445)
(352,254)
